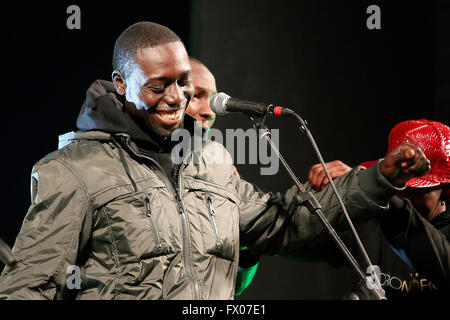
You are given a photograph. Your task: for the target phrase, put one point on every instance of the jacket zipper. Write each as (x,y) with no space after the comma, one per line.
(186,240)
(186,251)
(212,213)
(148,212)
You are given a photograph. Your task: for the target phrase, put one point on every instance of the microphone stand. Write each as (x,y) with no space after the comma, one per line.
(307,198)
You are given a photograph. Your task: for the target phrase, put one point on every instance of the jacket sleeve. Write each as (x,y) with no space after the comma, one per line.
(55,227)
(426,247)
(270,225)
(403,228)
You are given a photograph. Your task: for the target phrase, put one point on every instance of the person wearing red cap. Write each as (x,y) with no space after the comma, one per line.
(410,243)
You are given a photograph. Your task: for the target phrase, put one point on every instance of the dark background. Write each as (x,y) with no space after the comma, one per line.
(317,57)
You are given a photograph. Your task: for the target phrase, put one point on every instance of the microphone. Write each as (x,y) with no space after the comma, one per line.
(221,103)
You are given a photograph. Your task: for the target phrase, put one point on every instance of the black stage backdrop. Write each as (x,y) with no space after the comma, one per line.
(352,84)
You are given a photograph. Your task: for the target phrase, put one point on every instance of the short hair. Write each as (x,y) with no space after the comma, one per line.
(140,35)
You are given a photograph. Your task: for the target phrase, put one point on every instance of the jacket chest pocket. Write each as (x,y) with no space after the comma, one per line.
(155,231)
(138,225)
(212,214)
(218,218)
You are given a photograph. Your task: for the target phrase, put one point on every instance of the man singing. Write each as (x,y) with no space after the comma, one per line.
(113,202)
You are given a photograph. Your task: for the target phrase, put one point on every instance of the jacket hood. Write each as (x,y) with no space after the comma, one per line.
(103,111)
(102,115)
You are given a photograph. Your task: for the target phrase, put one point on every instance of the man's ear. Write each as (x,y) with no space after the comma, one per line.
(119,82)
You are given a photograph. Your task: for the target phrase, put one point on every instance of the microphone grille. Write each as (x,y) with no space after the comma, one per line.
(218,103)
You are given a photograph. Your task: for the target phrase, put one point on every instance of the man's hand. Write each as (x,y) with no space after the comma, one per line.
(404,163)
(317,177)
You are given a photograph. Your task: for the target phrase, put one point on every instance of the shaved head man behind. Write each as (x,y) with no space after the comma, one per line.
(199,107)
(204,86)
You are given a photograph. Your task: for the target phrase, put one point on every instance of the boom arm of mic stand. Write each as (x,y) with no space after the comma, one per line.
(308,199)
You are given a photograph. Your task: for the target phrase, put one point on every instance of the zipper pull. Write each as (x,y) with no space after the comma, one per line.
(147,205)
(210,205)
(179,203)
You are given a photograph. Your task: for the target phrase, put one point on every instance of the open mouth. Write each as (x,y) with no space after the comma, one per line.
(171,117)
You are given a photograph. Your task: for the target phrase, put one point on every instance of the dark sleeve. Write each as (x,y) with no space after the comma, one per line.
(271,224)
(426,247)
(247,258)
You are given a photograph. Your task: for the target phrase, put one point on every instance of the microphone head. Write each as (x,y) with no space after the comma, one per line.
(218,103)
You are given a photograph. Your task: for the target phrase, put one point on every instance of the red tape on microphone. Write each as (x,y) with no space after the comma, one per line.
(277,110)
